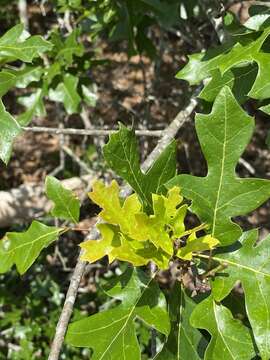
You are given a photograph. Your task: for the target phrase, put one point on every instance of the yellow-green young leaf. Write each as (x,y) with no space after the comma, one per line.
(116,245)
(221,195)
(121,154)
(9,130)
(157,227)
(150,253)
(112,333)
(107,197)
(250,264)
(14,45)
(184,342)
(97,249)
(134,236)
(230,339)
(66,204)
(22,249)
(195,244)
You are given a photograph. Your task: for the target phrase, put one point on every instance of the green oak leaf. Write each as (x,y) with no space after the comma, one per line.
(265,109)
(66,92)
(66,50)
(112,333)
(9,130)
(230,339)
(184,341)
(166,224)
(121,154)
(130,234)
(14,45)
(250,264)
(6,257)
(34,105)
(7,81)
(107,197)
(20,78)
(202,66)
(194,244)
(66,204)
(239,79)
(116,245)
(23,248)
(219,196)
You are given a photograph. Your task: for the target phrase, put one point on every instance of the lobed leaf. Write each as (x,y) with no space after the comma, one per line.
(184,341)
(220,195)
(9,130)
(66,205)
(130,234)
(194,244)
(34,105)
(66,92)
(14,45)
(230,339)
(107,197)
(121,154)
(111,334)
(22,249)
(20,78)
(66,50)
(220,61)
(250,264)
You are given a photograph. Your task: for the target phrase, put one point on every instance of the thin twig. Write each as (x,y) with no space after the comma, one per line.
(22,7)
(81,163)
(61,166)
(247,165)
(88,132)
(63,321)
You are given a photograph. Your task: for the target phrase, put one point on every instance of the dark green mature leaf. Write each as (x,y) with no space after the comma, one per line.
(111,334)
(66,205)
(65,51)
(121,153)
(22,249)
(239,79)
(184,342)
(14,45)
(230,340)
(200,66)
(220,195)
(251,265)
(66,92)
(9,130)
